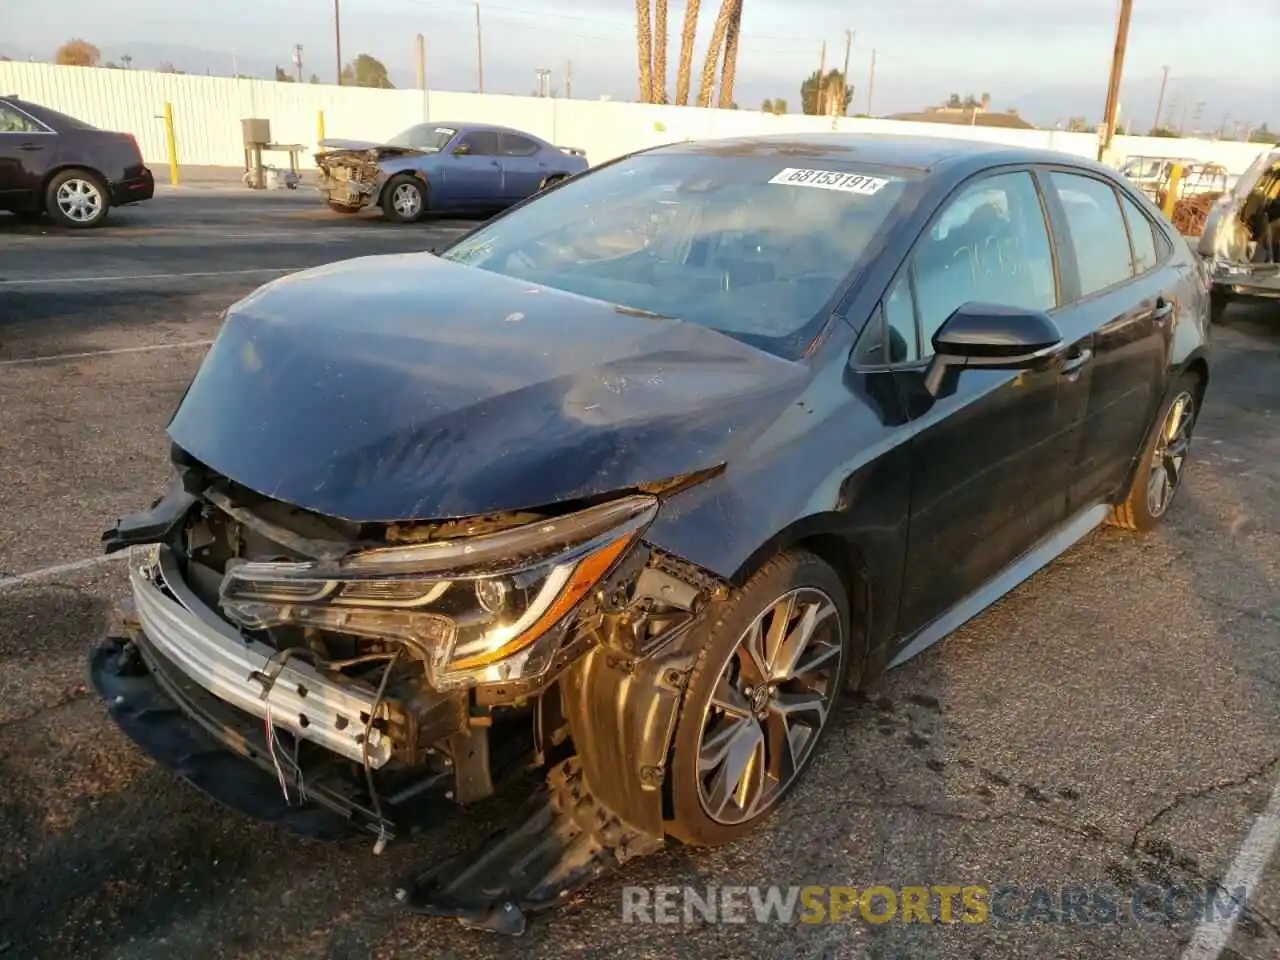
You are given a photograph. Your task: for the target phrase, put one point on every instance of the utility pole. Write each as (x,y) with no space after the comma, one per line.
(337,39)
(844,74)
(1164,80)
(822,86)
(297,59)
(479,51)
(1113,87)
(568,79)
(420,58)
(871,82)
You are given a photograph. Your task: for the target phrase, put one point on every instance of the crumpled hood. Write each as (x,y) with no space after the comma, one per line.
(408,387)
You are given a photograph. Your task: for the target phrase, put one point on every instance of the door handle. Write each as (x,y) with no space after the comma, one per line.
(31,146)
(1163,310)
(1072,364)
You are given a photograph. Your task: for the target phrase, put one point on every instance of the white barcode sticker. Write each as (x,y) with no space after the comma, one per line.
(830,180)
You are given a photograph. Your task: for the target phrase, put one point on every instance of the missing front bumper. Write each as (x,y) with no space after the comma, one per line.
(247,674)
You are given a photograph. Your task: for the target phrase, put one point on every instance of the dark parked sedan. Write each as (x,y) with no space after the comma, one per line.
(634,481)
(55,164)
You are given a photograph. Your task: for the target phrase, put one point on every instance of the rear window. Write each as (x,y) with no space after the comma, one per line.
(753,247)
(59,121)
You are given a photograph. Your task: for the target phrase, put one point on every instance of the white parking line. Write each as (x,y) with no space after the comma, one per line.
(63,568)
(201,275)
(1212,936)
(105,353)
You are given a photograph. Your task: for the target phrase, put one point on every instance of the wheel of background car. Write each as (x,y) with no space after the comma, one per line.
(552,180)
(77,198)
(1158,476)
(337,207)
(405,199)
(774,661)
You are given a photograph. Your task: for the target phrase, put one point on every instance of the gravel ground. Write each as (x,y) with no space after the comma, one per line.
(1113,722)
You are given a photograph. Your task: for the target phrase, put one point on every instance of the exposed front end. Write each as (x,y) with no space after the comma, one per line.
(324,674)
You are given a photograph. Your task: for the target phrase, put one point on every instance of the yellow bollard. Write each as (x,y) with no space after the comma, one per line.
(171,143)
(319,126)
(1171,195)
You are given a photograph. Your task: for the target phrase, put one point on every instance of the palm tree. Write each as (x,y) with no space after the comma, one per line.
(687,36)
(644,44)
(730,55)
(659,81)
(713,52)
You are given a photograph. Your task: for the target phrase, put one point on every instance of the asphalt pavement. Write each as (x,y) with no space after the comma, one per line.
(1113,723)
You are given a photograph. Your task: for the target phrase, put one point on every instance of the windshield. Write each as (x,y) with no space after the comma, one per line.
(751,246)
(423,136)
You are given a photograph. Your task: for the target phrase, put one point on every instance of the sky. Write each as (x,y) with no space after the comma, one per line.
(1048,58)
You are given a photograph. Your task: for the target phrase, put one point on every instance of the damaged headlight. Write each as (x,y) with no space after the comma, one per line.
(486,609)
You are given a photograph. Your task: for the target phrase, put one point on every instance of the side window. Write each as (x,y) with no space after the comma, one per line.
(890,334)
(483,143)
(900,323)
(1097,230)
(990,245)
(1141,238)
(13,122)
(514,146)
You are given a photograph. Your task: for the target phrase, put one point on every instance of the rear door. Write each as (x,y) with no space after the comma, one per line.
(523,168)
(986,458)
(474,176)
(1122,288)
(27,150)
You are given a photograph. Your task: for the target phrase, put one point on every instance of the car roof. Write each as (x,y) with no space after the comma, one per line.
(481,127)
(887,150)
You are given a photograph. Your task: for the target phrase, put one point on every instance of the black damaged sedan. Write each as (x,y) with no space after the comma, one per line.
(629,484)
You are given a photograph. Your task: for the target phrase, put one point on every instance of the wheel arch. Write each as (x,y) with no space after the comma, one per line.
(63,168)
(415,174)
(825,536)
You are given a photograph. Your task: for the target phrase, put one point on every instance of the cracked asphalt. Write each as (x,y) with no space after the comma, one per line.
(1114,722)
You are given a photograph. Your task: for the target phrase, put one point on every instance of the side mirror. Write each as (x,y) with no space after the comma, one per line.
(992,336)
(462,149)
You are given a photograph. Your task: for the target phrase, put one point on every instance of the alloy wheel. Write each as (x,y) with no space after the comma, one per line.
(79,200)
(770,703)
(1170,453)
(407,200)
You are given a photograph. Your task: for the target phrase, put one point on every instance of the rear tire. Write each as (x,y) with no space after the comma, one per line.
(404,199)
(756,708)
(552,180)
(77,199)
(1159,473)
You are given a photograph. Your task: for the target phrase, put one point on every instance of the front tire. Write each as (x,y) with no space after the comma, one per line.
(404,200)
(776,657)
(1158,477)
(77,199)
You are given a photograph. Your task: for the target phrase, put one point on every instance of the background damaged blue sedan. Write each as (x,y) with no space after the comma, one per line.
(437,167)
(630,484)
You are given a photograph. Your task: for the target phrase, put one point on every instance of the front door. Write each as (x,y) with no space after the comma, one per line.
(472,177)
(988,452)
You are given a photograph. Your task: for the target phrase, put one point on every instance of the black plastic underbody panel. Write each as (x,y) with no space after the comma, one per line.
(150,715)
(560,841)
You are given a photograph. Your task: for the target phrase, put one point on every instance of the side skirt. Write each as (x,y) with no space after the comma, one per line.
(1048,550)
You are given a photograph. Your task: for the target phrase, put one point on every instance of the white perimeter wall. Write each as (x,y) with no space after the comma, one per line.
(207,113)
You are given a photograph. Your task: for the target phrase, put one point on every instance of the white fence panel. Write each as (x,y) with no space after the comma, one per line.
(208,110)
